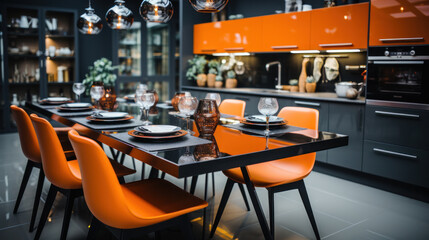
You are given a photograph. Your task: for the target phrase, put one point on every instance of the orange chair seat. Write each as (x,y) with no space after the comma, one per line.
(158,200)
(269,174)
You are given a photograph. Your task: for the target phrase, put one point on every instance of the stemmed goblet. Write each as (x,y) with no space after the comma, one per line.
(96,93)
(268,107)
(214,96)
(187,106)
(145,101)
(78,89)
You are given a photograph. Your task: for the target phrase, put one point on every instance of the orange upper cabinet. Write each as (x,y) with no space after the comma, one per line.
(285,32)
(343,27)
(399,22)
(206,38)
(242,35)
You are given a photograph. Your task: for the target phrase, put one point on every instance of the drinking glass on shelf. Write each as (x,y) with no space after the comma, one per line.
(145,101)
(214,96)
(78,89)
(96,93)
(187,106)
(268,107)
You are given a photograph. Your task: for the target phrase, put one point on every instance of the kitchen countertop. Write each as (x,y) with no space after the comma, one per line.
(318,96)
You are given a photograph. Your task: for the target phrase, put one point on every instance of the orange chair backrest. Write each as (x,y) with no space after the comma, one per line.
(102,191)
(305,118)
(233,107)
(54,161)
(27,135)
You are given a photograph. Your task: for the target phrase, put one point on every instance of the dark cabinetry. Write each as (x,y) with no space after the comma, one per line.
(396,145)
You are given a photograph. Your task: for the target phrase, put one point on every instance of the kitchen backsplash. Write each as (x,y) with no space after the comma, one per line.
(256,75)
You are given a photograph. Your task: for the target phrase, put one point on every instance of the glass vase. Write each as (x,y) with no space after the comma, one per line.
(207,117)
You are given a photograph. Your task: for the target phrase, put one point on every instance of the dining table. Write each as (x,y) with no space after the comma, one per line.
(231,146)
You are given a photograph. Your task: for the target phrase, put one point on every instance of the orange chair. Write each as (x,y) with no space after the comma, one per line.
(65,176)
(233,107)
(279,175)
(30,148)
(132,208)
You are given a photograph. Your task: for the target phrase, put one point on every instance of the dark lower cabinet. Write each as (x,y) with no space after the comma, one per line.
(347,119)
(405,164)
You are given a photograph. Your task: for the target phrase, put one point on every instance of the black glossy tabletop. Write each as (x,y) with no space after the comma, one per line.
(228,148)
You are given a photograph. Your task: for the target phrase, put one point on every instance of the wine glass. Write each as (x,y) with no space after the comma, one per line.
(78,89)
(96,93)
(214,96)
(268,107)
(187,106)
(141,88)
(145,101)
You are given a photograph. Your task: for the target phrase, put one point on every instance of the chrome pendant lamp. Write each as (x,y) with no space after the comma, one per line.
(89,23)
(159,11)
(208,6)
(119,16)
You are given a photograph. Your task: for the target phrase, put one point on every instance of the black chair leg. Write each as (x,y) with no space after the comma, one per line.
(243,193)
(134,163)
(37,198)
(193,184)
(24,182)
(271,210)
(162,175)
(213,184)
(143,170)
(222,205)
(306,201)
(46,209)
(67,215)
(96,225)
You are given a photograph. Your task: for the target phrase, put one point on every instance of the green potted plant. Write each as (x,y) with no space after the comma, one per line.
(101,73)
(219,81)
(196,70)
(231,82)
(310,86)
(214,66)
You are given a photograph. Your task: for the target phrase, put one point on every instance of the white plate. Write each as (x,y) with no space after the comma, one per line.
(110,115)
(263,119)
(158,129)
(57,99)
(76,105)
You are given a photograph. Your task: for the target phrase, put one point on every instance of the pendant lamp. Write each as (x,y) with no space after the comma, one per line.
(119,16)
(208,6)
(159,11)
(89,23)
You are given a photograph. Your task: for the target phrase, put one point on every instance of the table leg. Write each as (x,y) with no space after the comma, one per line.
(256,204)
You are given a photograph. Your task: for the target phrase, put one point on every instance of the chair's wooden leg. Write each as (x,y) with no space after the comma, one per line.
(24,182)
(243,193)
(193,184)
(67,215)
(271,209)
(45,213)
(304,196)
(222,205)
(37,198)
(256,204)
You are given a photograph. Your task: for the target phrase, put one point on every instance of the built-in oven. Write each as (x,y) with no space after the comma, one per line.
(398,73)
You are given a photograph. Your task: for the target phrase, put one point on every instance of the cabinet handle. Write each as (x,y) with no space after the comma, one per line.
(394,153)
(413,39)
(307,104)
(393,114)
(399,62)
(208,50)
(242,98)
(336,44)
(234,49)
(284,47)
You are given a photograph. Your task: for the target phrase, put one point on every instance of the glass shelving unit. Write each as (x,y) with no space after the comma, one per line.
(129,51)
(157,49)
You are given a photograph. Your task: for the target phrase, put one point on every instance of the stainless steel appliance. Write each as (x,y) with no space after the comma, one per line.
(399,74)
